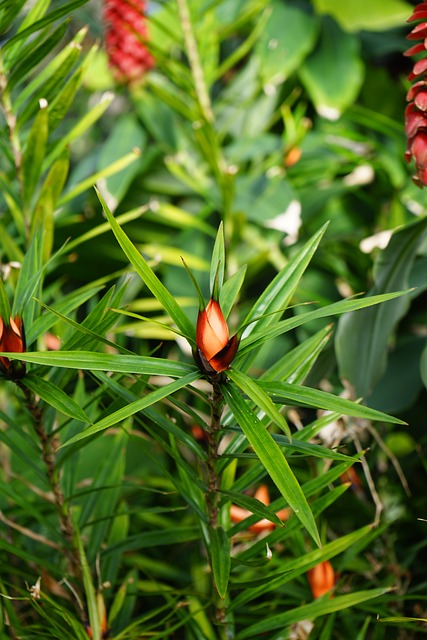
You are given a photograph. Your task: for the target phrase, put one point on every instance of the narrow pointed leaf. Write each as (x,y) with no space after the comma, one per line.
(286,393)
(218,261)
(55,397)
(260,397)
(134,407)
(272,458)
(221,559)
(148,276)
(143,365)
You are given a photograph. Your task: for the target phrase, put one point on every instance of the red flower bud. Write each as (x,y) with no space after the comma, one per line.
(12,338)
(214,348)
(321,579)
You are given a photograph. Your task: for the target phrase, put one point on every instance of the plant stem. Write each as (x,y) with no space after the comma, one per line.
(49,459)
(213,441)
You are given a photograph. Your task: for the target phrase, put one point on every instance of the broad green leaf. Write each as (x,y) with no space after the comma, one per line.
(260,397)
(334,73)
(367,15)
(34,153)
(88,360)
(286,393)
(134,407)
(362,339)
(287,38)
(55,397)
(272,458)
(311,611)
(149,277)
(221,559)
(258,338)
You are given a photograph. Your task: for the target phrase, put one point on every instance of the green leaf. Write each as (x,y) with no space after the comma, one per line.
(4,303)
(149,277)
(257,339)
(217,263)
(300,565)
(260,398)
(55,397)
(311,611)
(230,291)
(362,339)
(272,458)
(221,559)
(334,73)
(34,153)
(286,393)
(90,592)
(9,9)
(287,38)
(88,360)
(254,506)
(367,15)
(134,407)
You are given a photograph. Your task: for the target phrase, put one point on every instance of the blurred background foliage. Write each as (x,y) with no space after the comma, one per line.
(289,116)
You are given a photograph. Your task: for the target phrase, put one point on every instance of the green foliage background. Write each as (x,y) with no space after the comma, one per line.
(276,118)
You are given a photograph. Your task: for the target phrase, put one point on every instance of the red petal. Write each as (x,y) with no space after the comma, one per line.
(419,150)
(206,339)
(415,49)
(418,32)
(420,100)
(414,89)
(222,360)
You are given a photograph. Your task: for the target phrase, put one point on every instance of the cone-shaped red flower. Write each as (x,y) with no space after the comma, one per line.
(215,349)
(12,338)
(125,34)
(416,111)
(321,579)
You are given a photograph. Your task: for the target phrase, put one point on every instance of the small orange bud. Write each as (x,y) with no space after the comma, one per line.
(214,348)
(321,578)
(12,338)
(237,514)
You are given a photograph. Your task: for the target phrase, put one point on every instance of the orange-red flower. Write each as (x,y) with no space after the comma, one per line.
(237,514)
(321,579)
(215,349)
(12,339)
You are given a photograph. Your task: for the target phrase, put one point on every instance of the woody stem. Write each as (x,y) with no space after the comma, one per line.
(213,442)
(49,459)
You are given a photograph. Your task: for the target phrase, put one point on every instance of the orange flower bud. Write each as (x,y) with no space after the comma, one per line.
(237,514)
(321,579)
(12,338)
(214,348)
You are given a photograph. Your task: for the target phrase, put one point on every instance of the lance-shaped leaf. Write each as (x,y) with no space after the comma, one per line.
(221,559)
(55,397)
(148,276)
(88,360)
(271,456)
(286,393)
(260,397)
(134,407)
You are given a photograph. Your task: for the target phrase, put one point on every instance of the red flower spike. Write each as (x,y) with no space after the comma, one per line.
(126,33)
(215,349)
(12,338)
(321,579)
(416,112)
